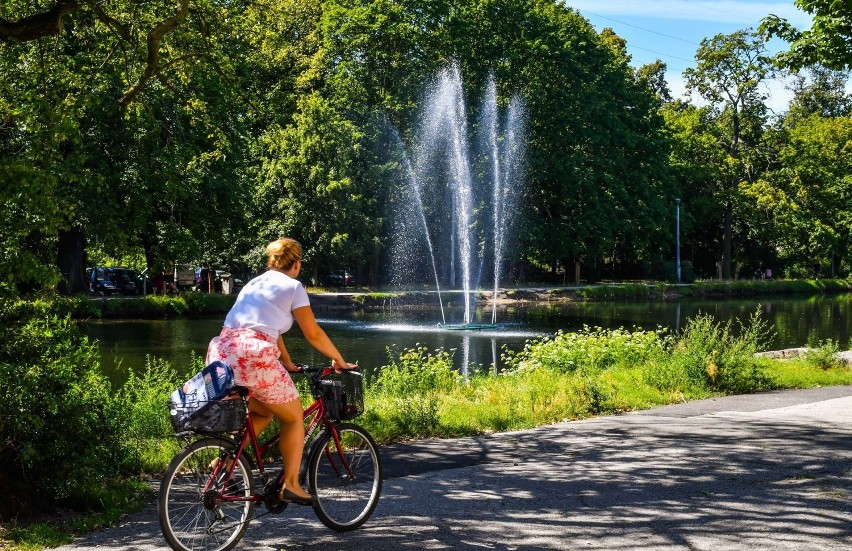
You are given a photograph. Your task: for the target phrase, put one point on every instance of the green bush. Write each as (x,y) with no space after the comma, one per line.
(403,397)
(66,433)
(417,371)
(139,414)
(589,349)
(57,435)
(823,354)
(721,356)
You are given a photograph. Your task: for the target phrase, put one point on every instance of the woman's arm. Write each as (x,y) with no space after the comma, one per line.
(316,336)
(285,356)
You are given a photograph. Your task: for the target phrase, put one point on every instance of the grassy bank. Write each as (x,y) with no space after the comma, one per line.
(700,289)
(81,307)
(417,394)
(200,305)
(578,375)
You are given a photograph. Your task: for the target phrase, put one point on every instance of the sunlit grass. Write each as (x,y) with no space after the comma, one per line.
(579,375)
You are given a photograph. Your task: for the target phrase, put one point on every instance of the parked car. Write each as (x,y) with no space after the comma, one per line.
(340,278)
(107,281)
(99,281)
(126,281)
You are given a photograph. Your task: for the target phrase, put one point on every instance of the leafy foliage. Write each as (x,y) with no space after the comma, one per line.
(65,433)
(55,426)
(592,349)
(827,42)
(246,120)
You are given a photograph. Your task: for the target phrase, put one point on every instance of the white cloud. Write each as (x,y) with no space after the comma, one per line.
(726,11)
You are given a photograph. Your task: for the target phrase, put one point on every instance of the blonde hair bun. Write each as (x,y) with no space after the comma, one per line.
(283,253)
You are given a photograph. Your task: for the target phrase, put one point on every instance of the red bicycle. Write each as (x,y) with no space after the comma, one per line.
(208,494)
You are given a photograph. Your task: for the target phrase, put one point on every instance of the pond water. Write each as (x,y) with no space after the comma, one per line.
(365,337)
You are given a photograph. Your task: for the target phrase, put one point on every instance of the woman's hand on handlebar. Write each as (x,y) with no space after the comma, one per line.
(291,367)
(340,366)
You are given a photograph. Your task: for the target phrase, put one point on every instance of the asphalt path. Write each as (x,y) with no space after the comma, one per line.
(766,471)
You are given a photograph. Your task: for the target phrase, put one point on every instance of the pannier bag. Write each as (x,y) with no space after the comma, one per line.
(202,404)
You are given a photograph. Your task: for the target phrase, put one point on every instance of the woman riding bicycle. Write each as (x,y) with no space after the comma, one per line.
(251,343)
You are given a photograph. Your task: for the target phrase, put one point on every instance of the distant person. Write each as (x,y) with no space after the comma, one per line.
(768,273)
(159,283)
(251,343)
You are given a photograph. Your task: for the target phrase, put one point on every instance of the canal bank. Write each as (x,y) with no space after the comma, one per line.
(195,305)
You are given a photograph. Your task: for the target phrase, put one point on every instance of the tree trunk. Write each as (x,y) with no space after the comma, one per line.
(576,272)
(71,259)
(374,270)
(727,241)
(148,248)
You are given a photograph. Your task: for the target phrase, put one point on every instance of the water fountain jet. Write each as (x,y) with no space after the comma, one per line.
(442,139)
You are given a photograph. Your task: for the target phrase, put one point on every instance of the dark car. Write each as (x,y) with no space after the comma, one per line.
(107,281)
(126,281)
(340,278)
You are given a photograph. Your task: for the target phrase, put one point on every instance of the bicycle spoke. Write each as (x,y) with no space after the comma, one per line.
(193,515)
(346,481)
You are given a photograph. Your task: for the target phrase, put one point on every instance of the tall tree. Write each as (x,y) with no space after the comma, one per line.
(127,167)
(729,74)
(823,93)
(653,75)
(311,192)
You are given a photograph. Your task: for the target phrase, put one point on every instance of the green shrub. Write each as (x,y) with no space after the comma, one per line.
(823,354)
(139,414)
(57,435)
(403,397)
(721,356)
(590,348)
(66,433)
(417,371)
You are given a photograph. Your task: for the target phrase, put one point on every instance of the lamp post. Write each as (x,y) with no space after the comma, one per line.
(677,237)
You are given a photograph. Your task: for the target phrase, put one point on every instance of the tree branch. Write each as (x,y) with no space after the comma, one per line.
(36,26)
(111,22)
(153,58)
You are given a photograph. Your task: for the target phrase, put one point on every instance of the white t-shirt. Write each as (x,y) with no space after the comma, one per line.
(266,304)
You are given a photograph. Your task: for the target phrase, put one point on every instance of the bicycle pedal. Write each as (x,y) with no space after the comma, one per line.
(270,498)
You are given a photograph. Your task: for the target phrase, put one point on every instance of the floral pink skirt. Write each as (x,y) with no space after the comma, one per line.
(254,357)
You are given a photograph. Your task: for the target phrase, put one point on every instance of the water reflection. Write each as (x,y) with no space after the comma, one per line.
(368,337)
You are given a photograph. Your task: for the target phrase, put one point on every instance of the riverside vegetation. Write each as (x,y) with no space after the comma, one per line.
(69,435)
(198,305)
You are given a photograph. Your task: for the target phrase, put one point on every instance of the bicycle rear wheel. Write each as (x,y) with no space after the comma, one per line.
(346,480)
(193,516)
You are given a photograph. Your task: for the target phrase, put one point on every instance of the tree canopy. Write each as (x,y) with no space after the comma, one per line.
(193,131)
(828,42)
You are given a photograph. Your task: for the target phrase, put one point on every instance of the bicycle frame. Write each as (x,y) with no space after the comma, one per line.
(314,417)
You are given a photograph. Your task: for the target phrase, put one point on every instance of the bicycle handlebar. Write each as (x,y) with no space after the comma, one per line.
(305,368)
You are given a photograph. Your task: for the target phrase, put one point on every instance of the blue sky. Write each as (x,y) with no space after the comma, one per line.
(671,30)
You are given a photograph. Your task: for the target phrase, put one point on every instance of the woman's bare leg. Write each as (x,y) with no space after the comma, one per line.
(260,415)
(292,441)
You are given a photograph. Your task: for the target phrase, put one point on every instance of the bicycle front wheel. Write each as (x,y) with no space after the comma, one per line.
(194,516)
(347,479)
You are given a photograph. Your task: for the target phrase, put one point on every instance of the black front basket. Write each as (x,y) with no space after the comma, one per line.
(343,394)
